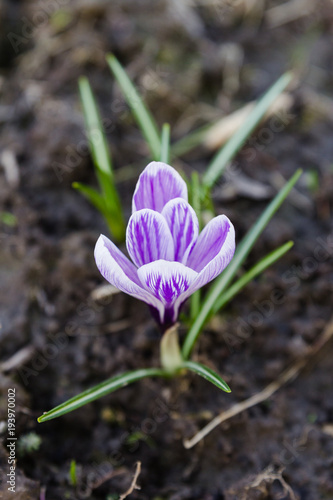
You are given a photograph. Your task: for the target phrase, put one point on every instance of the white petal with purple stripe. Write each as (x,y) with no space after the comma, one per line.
(213,251)
(158,184)
(121,273)
(167,281)
(184,227)
(148,238)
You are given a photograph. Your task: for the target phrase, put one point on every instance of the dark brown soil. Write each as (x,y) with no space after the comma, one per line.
(178,60)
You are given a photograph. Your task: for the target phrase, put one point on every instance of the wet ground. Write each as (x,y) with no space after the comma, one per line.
(194,63)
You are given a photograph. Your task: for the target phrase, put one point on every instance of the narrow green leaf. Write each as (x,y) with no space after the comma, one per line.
(91,195)
(98,145)
(233,145)
(100,390)
(102,161)
(208,374)
(8,218)
(195,192)
(257,269)
(113,210)
(114,221)
(72,473)
(165,143)
(241,253)
(190,141)
(196,204)
(141,113)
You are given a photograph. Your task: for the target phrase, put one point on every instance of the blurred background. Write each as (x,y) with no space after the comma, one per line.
(195,62)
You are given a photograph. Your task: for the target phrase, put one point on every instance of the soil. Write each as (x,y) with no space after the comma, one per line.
(193,65)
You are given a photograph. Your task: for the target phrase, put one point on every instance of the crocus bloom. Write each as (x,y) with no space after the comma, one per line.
(171,260)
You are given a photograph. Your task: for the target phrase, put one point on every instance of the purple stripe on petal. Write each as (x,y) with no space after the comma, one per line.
(158,184)
(219,226)
(148,237)
(121,273)
(167,281)
(184,227)
(210,242)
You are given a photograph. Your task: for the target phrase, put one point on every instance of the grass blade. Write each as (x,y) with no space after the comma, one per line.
(100,390)
(73,473)
(208,374)
(233,145)
(190,141)
(165,143)
(142,115)
(195,195)
(97,200)
(241,253)
(96,136)
(257,269)
(91,195)
(196,205)
(102,161)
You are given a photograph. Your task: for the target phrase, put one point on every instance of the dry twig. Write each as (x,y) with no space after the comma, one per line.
(219,133)
(288,12)
(133,486)
(12,172)
(18,359)
(110,475)
(104,292)
(269,475)
(286,376)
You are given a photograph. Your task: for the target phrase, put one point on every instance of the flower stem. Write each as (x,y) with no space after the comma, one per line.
(171,358)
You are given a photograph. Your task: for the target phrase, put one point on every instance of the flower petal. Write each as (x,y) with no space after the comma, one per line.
(184,226)
(168,281)
(218,235)
(148,237)
(158,184)
(213,251)
(121,273)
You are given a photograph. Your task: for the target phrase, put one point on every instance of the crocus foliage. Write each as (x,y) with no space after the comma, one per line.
(170,259)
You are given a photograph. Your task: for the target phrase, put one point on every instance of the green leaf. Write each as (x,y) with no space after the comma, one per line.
(195,195)
(233,145)
(241,253)
(95,198)
(100,390)
(102,161)
(208,374)
(72,473)
(257,269)
(141,113)
(190,141)
(165,143)
(8,218)
(97,140)
(91,195)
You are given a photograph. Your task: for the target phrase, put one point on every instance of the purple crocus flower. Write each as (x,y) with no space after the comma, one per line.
(171,260)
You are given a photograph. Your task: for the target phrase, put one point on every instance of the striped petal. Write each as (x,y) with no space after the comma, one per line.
(184,227)
(158,184)
(148,238)
(121,273)
(213,251)
(168,282)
